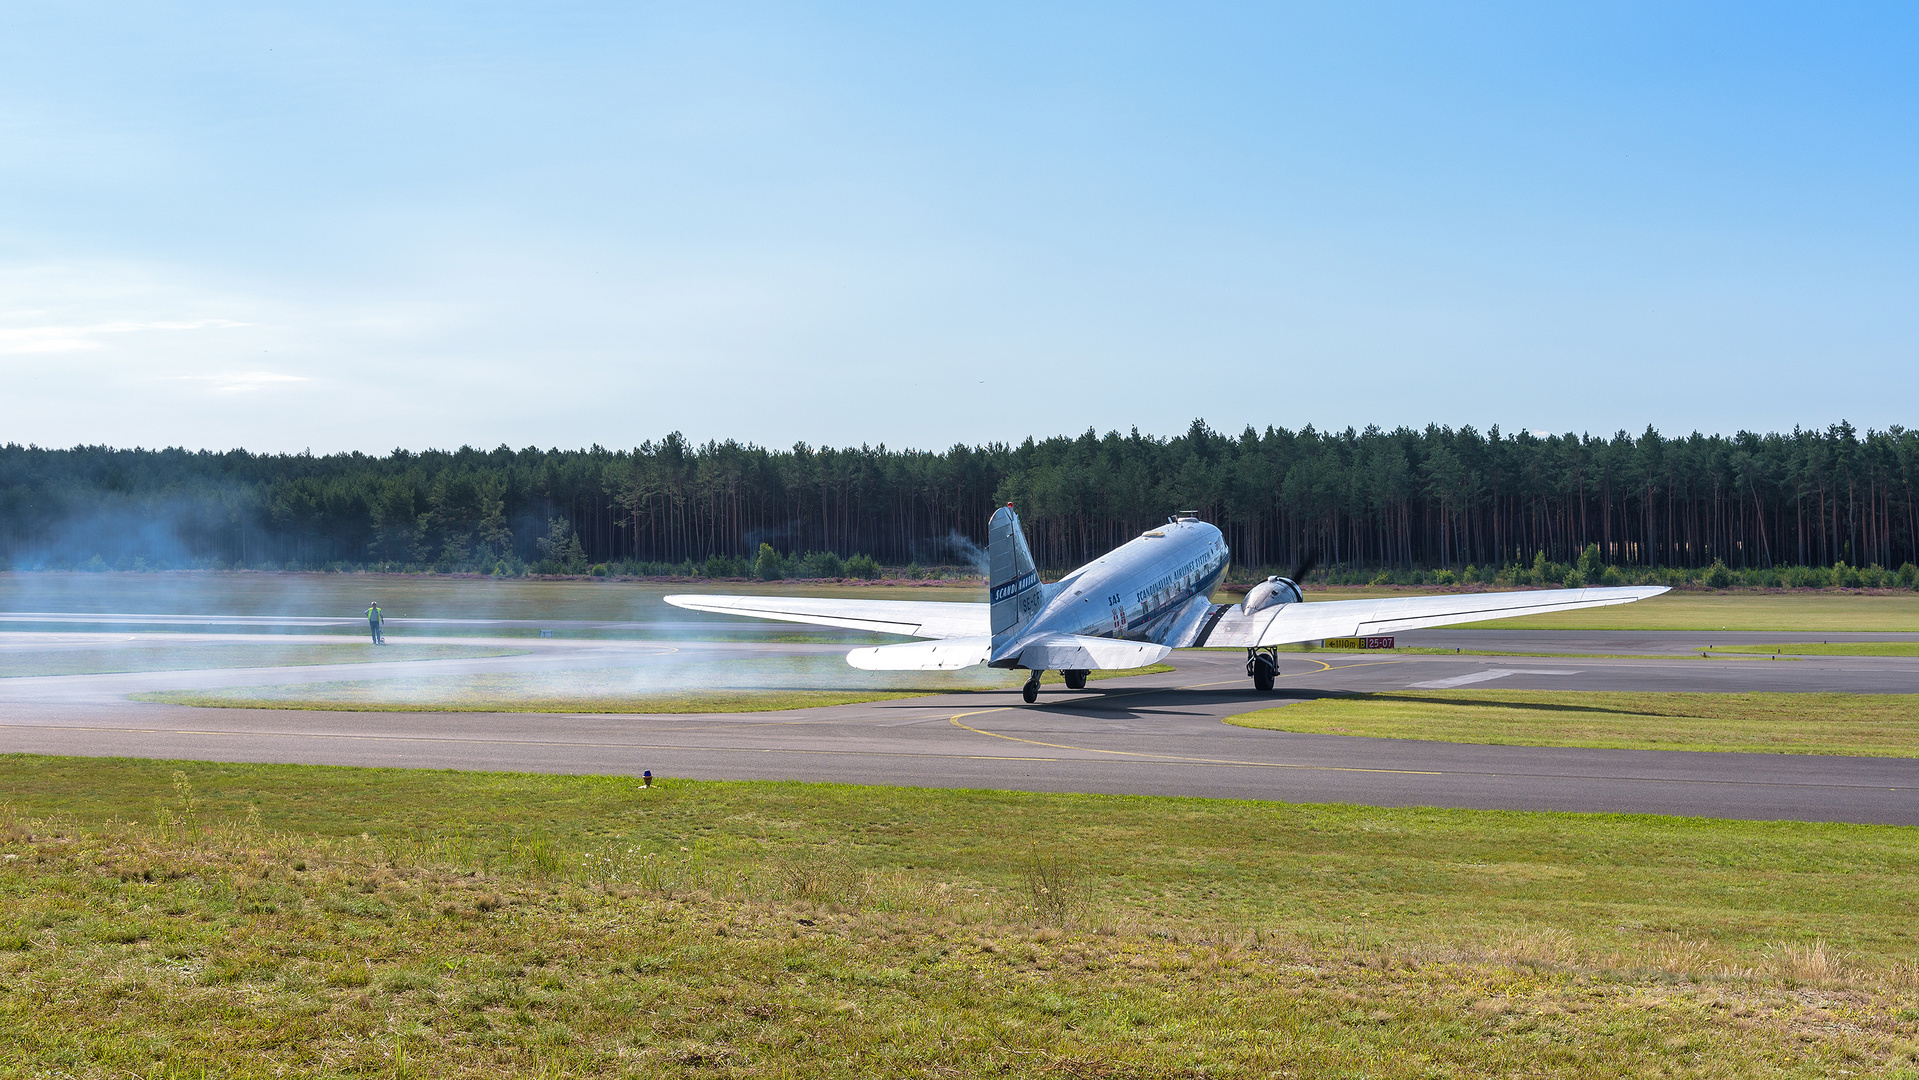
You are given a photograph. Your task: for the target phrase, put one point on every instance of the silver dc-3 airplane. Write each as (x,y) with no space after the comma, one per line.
(1129,608)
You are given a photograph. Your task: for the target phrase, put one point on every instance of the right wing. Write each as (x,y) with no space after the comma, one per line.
(911,618)
(1364,618)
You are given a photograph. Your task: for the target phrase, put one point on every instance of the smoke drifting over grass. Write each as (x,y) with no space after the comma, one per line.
(481,605)
(656,682)
(575,645)
(27,655)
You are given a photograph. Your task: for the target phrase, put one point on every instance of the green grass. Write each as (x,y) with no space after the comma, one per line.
(276,920)
(153,653)
(1871,725)
(1840,648)
(697,688)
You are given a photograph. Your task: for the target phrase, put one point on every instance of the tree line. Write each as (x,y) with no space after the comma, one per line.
(1398,501)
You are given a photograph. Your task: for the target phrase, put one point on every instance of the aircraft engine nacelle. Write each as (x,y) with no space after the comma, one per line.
(1271,592)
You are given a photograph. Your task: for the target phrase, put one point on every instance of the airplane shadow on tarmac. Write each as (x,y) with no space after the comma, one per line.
(1140,702)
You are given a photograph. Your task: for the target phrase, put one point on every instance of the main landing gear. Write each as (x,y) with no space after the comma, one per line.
(1263,666)
(1075,680)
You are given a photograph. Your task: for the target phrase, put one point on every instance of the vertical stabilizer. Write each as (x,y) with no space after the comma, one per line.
(1014,584)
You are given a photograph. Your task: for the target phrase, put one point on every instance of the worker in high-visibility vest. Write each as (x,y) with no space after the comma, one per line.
(373,620)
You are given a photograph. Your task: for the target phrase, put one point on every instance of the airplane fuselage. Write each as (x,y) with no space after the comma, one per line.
(1143,590)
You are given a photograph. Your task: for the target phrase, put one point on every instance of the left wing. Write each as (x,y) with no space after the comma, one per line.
(1364,618)
(946,654)
(911,618)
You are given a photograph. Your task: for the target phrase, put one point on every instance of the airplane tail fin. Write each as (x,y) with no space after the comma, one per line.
(1014,583)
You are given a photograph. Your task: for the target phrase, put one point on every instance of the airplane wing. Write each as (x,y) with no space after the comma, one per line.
(911,618)
(1364,618)
(1047,652)
(946,654)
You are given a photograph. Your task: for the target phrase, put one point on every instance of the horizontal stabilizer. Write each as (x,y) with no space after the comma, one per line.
(950,654)
(912,618)
(1073,652)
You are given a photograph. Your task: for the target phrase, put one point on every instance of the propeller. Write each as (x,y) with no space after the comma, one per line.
(1306,564)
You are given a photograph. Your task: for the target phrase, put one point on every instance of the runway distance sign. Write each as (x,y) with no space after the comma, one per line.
(1357,643)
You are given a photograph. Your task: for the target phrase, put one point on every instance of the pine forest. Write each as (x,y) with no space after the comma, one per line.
(1369,504)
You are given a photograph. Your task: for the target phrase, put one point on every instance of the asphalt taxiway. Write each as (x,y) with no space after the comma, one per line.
(1157,734)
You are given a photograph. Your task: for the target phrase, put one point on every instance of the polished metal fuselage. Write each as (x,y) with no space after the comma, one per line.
(1147,589)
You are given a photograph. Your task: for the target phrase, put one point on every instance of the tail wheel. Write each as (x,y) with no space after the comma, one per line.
(1265,669)
(1075,680)
(1031,690)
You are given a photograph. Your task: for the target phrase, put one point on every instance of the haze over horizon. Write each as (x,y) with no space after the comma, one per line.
(426,226)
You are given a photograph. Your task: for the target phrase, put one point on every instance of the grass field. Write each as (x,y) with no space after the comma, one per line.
(713,687)
(1872,725)
(153,652)
(1838,648)
(304,921)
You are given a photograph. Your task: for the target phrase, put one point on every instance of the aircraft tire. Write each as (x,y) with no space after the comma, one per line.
(1031,690)
(1075,680)
(1263,674)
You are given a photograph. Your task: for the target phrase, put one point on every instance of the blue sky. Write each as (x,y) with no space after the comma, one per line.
(408,225)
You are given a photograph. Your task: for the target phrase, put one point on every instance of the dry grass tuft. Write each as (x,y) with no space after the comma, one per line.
(1543,945)
(820,877)
(1056,885)
(1808,963)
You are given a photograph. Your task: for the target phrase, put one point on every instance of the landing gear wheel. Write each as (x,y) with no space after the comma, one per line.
(1031,690)
(1263,667)
(1075,680)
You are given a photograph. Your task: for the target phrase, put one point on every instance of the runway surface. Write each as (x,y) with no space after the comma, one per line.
(1156,735)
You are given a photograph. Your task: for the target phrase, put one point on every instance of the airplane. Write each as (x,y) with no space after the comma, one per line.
(1129,608)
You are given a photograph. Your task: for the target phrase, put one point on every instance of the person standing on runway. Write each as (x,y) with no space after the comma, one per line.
(373,620)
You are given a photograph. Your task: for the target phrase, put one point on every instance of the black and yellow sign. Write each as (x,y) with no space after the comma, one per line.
(1358,643)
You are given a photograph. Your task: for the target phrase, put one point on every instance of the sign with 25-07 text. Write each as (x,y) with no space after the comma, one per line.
(1358,643)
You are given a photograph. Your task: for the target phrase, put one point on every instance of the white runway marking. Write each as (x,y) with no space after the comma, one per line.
(1483,676)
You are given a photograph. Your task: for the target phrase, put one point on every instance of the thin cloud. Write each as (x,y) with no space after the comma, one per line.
(239,382)
(52,339)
